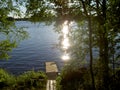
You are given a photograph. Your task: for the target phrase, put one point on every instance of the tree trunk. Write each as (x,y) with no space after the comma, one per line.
(103,45)
(90,42)
(91,54)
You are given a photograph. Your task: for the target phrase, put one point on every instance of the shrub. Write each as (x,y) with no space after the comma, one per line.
(114,81)
(6,80)
(28,81)
(31,80)
(73,79)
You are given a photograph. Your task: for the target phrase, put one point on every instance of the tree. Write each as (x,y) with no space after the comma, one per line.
(113,24)
(10,35)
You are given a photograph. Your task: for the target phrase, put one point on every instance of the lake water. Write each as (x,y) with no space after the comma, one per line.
(32,53)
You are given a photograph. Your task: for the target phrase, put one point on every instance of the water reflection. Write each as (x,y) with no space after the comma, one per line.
(65,29)
(65,56)
(65,41)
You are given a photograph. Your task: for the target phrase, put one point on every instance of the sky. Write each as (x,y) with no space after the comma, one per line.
(22,9)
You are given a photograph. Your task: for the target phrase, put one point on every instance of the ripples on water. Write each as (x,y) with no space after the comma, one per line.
(35,51)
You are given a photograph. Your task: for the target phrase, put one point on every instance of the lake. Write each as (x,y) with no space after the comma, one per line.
(32,53)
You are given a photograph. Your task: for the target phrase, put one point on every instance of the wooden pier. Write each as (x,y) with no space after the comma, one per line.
(52,72)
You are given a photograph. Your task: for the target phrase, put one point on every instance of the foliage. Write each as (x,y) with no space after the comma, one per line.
(6,46)
(10,34)
(79,42)
(74,79)
(39,10)
(114,81)
(28,81)
(31,79)
(6,80)
(113,24)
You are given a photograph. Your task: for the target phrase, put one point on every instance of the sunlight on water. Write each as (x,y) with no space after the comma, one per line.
(65,42)
(65,57)
(65,29)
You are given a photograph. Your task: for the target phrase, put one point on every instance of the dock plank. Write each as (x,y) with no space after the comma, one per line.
(51,67)
(51,70)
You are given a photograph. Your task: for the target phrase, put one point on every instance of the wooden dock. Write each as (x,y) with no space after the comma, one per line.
(51,70)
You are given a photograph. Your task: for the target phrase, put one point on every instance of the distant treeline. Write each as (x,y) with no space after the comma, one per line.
(17,19)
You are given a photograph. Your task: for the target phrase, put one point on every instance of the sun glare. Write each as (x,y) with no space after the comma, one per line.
(65,42)
(65,29)
(66,57)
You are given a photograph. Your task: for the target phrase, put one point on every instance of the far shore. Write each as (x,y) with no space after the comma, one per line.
(17,19)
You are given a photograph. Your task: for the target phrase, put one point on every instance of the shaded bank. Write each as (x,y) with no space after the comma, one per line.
(30,80)
(79,79)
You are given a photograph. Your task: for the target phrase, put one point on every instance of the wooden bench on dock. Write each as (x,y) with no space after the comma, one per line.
(51,70)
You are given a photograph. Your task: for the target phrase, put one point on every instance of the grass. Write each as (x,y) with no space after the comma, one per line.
(30,80)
